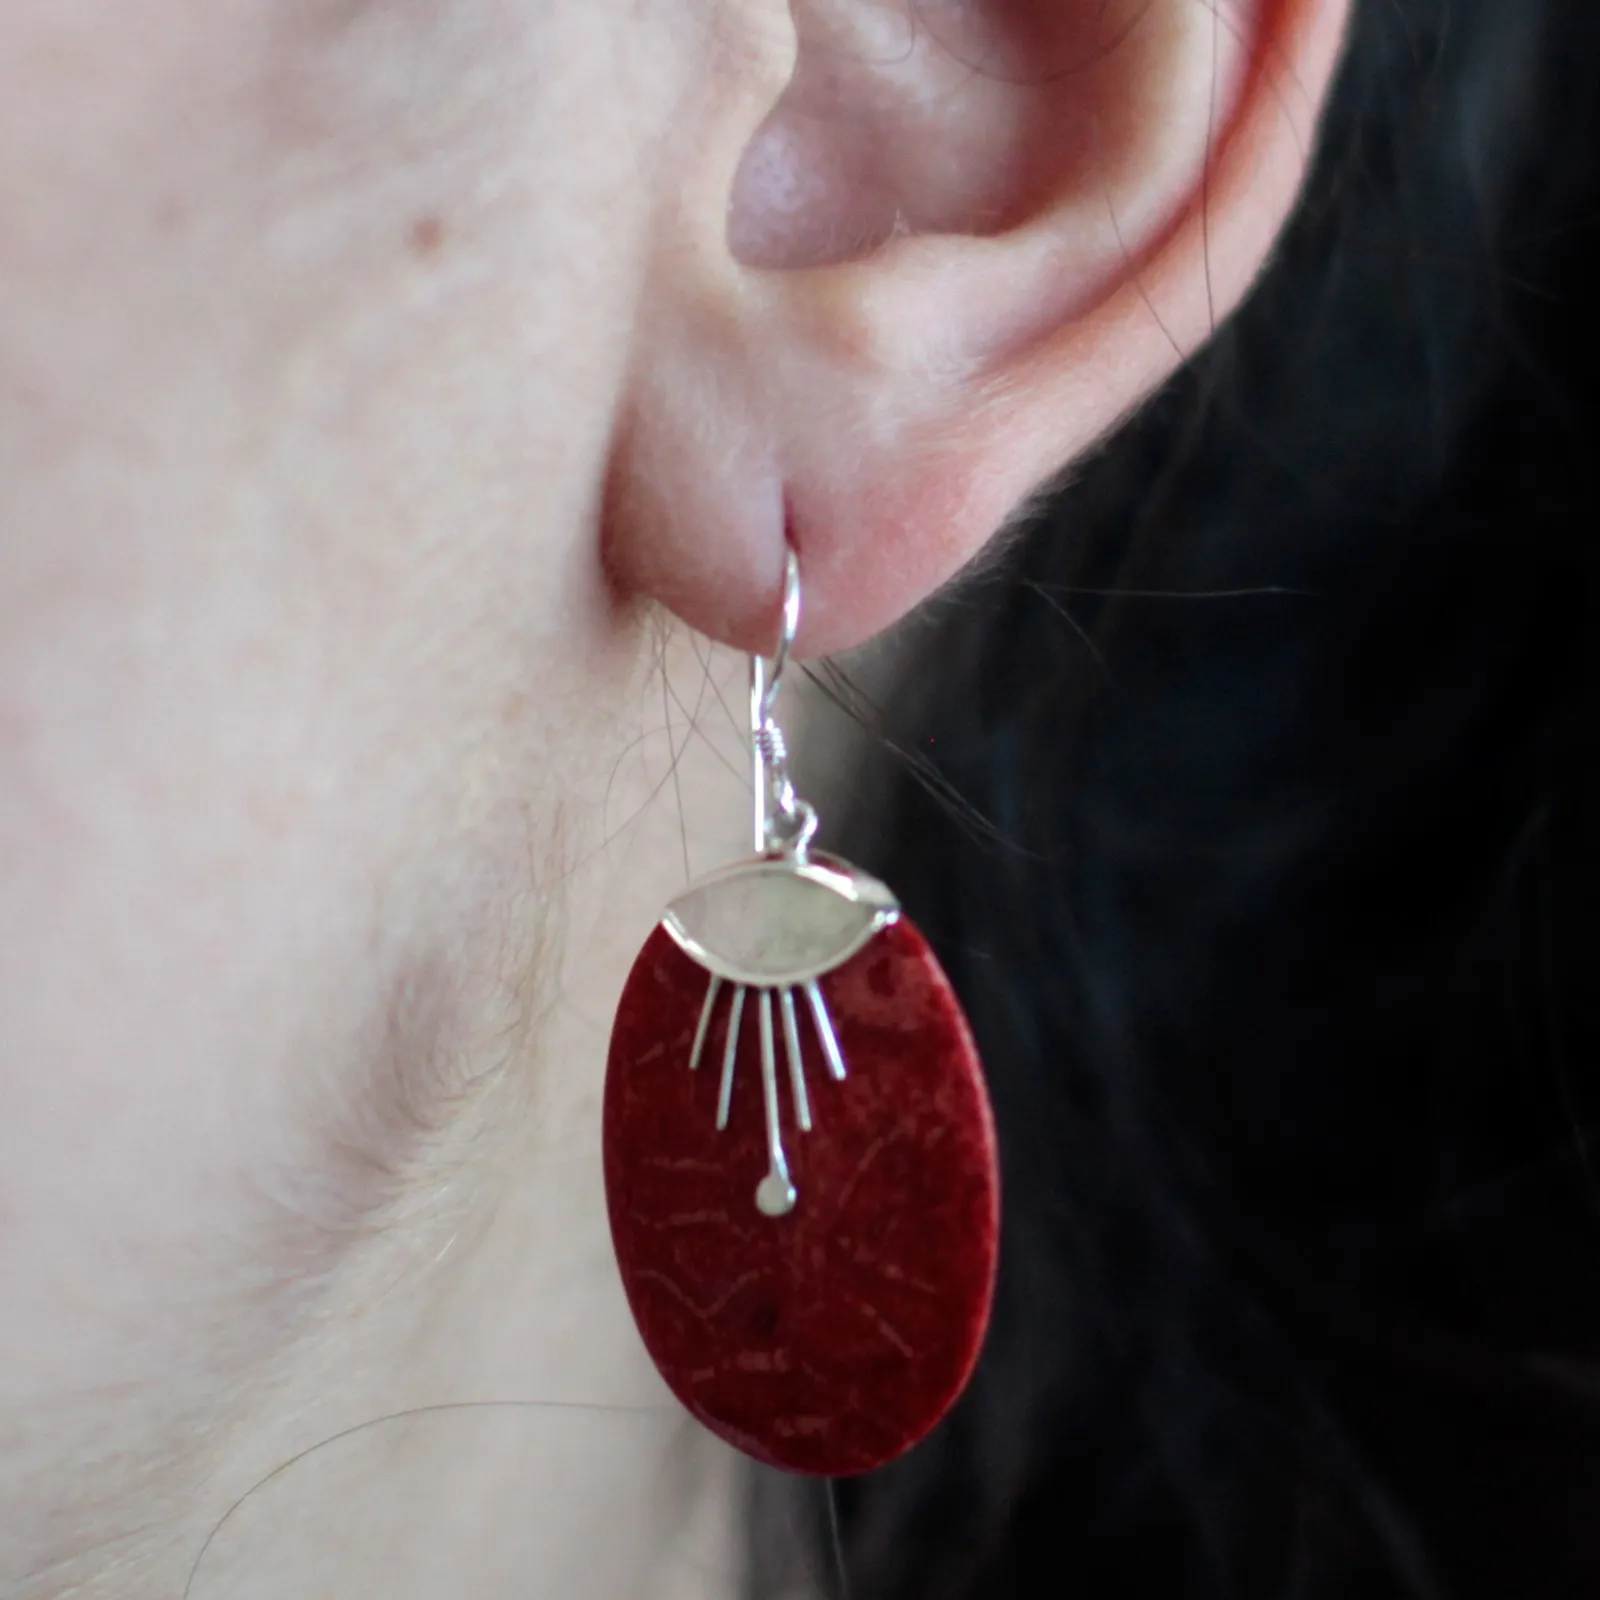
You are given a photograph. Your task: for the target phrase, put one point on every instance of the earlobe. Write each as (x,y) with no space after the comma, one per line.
(948,271)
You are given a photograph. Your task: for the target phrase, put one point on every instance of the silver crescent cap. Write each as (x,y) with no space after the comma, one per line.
(776,922)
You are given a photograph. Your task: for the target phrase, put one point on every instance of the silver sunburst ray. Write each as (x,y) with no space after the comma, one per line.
(773,927)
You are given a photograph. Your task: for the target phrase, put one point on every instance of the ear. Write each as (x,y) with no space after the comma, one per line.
(892,296)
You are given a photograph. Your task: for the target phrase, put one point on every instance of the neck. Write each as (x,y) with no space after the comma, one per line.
(485,1319)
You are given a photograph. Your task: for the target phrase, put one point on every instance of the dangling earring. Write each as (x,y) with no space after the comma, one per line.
(808,1248)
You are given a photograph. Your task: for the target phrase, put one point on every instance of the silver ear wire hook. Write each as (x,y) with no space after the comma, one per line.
(783,822)
(774,928)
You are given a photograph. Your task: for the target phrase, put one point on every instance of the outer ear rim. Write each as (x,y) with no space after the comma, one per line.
(1044,390)
(870,315)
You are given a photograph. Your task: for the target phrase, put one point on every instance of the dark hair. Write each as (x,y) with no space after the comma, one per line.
(1277,718)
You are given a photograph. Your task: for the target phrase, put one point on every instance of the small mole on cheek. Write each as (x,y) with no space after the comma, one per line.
(427,234)
(170,214)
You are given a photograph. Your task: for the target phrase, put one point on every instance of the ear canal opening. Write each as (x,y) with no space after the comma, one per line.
(955,117)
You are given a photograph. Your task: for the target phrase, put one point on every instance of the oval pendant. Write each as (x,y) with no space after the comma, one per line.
(800,1166)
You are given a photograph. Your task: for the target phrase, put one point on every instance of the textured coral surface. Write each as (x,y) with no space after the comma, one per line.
(830,1340)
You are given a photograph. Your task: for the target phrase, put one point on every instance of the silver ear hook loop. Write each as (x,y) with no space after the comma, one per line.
(784,823)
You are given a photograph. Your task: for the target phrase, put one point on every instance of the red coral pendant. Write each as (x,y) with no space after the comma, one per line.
(800,1166)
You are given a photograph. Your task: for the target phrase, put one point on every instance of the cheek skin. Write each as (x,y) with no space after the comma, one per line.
(310,690)
(269,976)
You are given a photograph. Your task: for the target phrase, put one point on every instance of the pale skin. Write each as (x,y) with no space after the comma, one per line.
(386,392)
